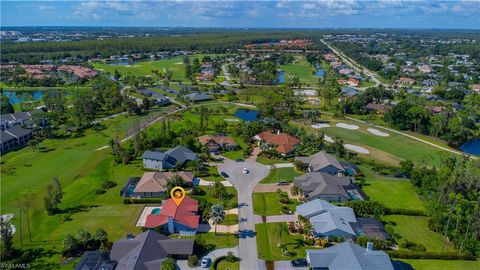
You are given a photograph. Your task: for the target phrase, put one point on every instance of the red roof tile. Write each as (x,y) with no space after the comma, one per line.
(185,213)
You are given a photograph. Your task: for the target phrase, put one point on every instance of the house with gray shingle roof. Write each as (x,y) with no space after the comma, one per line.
(328,219)
(322,162)
(334,188)
(148,250)
(348,256)
(349,91)
(196,97)
(14,137)
(158,160)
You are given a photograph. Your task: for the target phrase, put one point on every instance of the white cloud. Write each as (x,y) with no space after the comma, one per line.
(45,7)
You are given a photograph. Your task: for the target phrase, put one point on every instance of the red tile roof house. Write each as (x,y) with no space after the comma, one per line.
(217,142)
(182,219)
(152,184)
(353,82)
(283,143)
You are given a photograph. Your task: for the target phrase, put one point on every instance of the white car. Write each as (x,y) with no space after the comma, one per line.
(245,170)
(205,263)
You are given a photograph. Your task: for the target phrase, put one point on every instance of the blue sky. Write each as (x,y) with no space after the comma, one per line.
(458,14)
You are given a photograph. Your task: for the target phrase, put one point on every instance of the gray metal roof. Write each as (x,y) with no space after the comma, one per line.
(18,131)
(181,154)
(147,251)
(198,97)
(317,183)
(153,155)
(326,217)
(349,256)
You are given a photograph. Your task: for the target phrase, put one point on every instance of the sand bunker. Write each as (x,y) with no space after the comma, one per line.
(179,63)
(328,139)
(356,148)
(347,126)
(317,126)
(378,132)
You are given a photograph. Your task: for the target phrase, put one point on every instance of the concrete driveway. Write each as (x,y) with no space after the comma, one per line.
(285,265)
(183,264)
(244,183)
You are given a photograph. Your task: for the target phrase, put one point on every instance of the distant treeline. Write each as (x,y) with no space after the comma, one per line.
(211,42)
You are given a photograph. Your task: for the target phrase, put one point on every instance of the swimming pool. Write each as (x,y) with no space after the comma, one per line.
(156,211)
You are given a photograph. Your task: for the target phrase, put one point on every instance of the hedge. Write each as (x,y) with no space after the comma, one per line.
(404,212)
(429,255)
(141,201)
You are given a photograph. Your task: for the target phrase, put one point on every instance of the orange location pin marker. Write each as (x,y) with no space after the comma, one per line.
(177,194)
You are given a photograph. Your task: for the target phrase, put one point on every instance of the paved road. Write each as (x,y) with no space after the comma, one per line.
(183,264)
(244,183)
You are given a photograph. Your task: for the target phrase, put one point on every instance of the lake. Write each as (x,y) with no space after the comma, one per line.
(247,115)
(320,73)
(471,147)
(14,98)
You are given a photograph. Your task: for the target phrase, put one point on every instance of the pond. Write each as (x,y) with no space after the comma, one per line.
(247,115)
(471,147)
(320,73)
(17,97)
(281,76)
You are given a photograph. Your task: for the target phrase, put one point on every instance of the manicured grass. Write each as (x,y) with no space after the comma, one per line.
(302,69)
(230,219)
(233,155)
(391,192)
(281,174)
(230,201)
(389,150)
(439,264)
(226,265)
(214,241)
(266,161)
(267,204)
(415,229)
(213,175)
(269,235)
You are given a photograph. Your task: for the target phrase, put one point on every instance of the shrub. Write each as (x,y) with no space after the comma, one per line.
(407,244)
(192,260)
(309,242)
(100,191)
(230,257)
(405,212)
(429,255)
(108,184)
(141,201)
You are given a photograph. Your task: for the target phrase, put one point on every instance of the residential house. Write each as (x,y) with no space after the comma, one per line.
(378,108)
(328,219)
(159,98)
(169,159)
(322,162)
(334,188)
(429,82)
(349,92)
(283,143)
(476,87)
(173,218)
(348,255)
(153,184)
(215,143)
(13,138)
(405,81)
(148,250)
(426,69)
(353,82)
(197,97)
(12,119)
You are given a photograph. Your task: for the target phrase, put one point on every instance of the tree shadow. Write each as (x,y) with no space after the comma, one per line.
(77,209)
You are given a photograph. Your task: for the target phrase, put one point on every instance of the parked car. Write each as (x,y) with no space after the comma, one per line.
(282,183)
(299,263)
(245,171)
(224,174)
(205,263)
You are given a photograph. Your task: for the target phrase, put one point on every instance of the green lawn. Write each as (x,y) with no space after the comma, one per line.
(233,155)
(145,68)
(415,229)
(391,192)
(267,204)
(302,69)
(440,264)
(266,161)
(230,219)
(228,202)
(388,150)
(269,235)
(214,241)
(226,265)
(281,174)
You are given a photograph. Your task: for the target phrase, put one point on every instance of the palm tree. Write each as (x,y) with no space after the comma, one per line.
(84,237)
(217,214)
